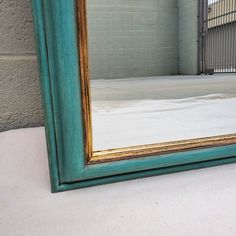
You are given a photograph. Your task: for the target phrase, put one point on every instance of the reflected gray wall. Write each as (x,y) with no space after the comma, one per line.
(188,36)
(129,38)
(142,38)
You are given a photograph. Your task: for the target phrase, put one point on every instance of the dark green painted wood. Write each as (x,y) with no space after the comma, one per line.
(56,37)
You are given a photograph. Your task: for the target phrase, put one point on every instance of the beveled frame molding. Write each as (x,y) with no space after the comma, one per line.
(93,157)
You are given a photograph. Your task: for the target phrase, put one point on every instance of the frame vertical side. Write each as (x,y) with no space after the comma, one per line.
(40,40)
(62,46)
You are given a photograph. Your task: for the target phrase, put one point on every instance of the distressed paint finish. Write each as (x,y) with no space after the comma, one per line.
(56,34)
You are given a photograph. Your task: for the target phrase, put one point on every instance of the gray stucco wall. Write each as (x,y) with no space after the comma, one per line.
(20,103)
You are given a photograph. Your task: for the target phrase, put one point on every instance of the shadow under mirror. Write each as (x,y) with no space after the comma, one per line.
(161,70)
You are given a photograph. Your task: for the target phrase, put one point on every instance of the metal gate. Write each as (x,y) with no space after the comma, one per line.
(217,36)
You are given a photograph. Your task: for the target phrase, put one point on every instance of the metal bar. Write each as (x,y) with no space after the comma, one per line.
(228,13)
(234,37)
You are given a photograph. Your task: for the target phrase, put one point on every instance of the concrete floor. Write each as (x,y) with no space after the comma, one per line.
(163,87)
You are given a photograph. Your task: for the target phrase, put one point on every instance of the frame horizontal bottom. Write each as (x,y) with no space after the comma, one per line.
(141,174)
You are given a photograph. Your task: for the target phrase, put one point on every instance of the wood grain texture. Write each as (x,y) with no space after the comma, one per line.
(57,43)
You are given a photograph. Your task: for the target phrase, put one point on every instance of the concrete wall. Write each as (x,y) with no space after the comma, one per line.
(130,38)
(20,103)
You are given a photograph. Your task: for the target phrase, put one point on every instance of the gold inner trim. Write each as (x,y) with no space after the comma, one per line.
(93,157)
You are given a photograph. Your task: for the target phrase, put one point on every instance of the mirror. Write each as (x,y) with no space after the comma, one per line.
(135,88)
(161,71)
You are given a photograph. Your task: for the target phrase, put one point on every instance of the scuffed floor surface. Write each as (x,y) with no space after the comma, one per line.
(196,203)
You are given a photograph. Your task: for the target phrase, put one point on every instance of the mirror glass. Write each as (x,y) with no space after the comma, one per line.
(159,73)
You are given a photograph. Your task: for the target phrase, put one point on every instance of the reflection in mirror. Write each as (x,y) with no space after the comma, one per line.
(145,58)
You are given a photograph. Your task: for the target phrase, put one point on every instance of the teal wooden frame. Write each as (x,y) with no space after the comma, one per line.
(57,45)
